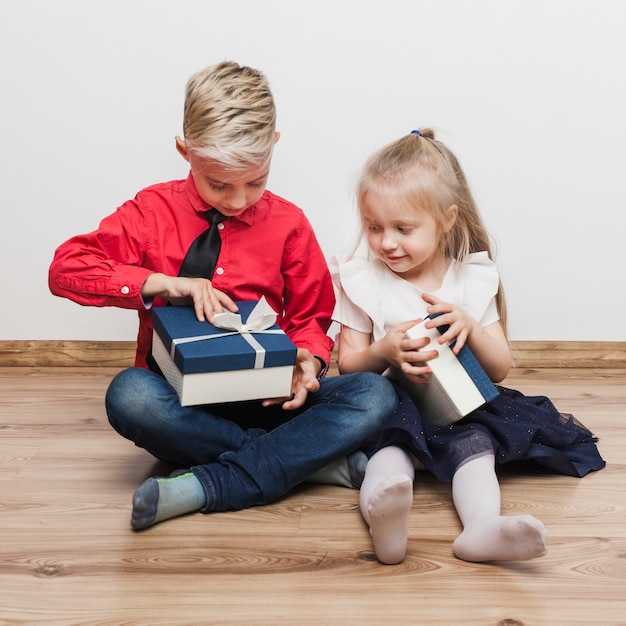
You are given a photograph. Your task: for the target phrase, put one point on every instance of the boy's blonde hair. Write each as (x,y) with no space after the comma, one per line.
(230,115)
(418,170)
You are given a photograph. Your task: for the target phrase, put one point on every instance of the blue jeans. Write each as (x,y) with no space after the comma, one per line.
(245,454)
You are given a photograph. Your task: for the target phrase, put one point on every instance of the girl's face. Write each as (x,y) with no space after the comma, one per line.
(405,238)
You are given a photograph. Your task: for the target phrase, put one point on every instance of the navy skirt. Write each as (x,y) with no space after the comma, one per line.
(514,426)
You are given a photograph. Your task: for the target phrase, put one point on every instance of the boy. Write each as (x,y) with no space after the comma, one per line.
(146,255)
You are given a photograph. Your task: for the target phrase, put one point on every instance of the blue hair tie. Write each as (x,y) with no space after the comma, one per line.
(416,132)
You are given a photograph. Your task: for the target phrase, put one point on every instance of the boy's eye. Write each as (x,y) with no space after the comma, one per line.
(217,187)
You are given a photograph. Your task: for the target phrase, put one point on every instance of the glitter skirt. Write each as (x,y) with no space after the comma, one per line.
(514,427)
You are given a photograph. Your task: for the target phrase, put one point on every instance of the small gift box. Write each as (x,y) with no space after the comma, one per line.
(458,384)
(230,361)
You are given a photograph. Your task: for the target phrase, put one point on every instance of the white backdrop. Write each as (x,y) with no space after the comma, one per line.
(530,95)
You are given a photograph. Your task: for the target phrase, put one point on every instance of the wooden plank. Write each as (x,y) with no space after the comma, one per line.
(526,354)
(67,353)
(568,354)
(68,555)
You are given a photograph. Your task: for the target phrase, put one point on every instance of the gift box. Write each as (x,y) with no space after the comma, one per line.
(458,384)
(230,361)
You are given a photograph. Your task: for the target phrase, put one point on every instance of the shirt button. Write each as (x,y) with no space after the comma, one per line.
(219,271)
(125,290)
(220,226)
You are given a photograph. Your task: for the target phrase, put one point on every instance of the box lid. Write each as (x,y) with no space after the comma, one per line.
(228,350)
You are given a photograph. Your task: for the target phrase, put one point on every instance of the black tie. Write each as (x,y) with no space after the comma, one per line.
(199,262)
(202,256)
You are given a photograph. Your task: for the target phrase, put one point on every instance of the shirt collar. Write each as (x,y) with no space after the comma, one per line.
(200,206)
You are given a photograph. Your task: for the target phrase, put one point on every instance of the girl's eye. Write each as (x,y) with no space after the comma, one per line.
(374,228)
(405,230)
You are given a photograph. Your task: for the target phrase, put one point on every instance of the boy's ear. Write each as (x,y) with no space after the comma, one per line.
(182,148)
(451,213)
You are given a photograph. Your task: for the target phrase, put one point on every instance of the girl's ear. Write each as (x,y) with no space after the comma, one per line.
(451,214)
(276,137)
(181,146)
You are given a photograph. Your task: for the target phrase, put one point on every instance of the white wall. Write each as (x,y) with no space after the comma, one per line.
(530,95)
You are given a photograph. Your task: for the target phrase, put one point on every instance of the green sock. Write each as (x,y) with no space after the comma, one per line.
(159,499)
(346,471)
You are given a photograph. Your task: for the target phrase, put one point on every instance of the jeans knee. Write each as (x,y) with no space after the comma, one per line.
(374,397)
(126,392)
(378,395)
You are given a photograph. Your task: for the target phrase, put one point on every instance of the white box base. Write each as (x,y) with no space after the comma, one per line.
(216,387)
(450,393)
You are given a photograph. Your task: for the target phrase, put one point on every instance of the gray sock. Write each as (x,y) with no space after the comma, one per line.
(158,499)
(346,471)
(357,461)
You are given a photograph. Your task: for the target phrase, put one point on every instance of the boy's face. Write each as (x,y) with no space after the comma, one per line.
(230,191)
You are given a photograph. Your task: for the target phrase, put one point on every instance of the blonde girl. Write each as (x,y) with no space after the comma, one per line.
(429,252)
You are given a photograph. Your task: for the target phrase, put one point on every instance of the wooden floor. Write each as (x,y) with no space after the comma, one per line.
(68,555)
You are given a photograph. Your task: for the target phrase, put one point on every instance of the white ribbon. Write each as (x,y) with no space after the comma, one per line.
(259,321)
(261,318)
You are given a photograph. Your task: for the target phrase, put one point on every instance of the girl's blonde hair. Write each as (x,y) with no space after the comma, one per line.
(420,171)
(230,116)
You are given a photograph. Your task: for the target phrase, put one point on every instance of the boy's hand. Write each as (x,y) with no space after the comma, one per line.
(304,381)
(200,292)
(181,290)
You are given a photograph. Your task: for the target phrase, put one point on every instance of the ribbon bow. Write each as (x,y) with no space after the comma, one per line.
(261,318)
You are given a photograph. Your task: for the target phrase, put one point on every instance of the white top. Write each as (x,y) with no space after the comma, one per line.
(372,299)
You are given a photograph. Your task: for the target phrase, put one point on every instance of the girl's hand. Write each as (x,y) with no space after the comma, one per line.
(304,381)
(406,354)
(488,343)
(395,351)
(181,290)
(461,325)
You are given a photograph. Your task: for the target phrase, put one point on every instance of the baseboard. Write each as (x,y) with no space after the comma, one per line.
(526,354)
(67,353)
(569,354)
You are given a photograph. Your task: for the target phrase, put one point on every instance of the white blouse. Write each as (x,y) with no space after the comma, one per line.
(372,299)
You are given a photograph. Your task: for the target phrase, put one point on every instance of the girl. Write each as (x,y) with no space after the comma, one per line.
(429,253)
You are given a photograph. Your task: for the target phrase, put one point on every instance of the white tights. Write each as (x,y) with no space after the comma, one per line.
(386,498)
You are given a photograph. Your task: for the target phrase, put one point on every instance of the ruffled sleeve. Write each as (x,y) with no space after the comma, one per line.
(476,282)
(355,291)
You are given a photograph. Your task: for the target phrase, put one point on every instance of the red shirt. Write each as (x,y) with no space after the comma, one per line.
(270,250)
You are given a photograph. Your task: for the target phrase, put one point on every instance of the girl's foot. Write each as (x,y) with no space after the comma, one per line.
(388,510)
(502,538)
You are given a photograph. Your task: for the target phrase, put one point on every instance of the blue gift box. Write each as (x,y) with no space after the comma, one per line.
(458,384)
(207,364)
